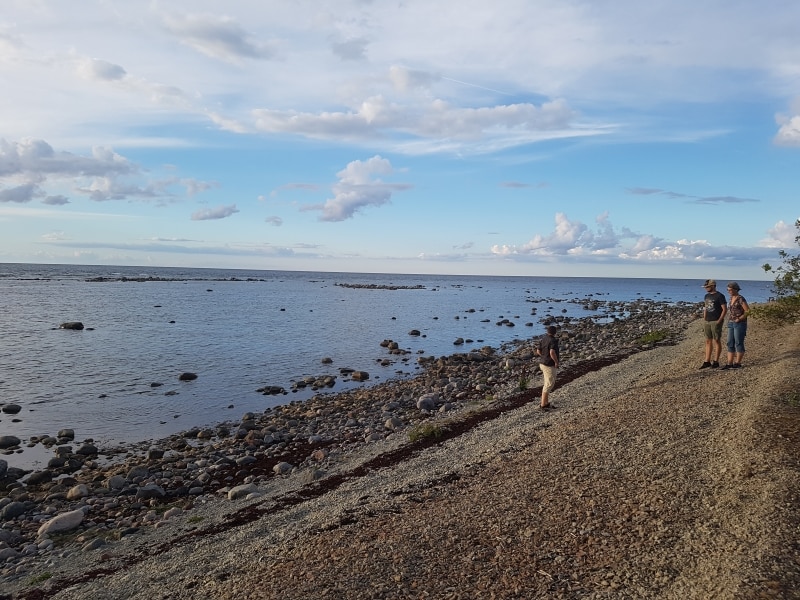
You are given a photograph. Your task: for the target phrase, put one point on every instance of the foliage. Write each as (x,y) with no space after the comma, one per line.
(425,431)
(653,337)
(786,306)
(792,399)
(523,383)
(41,578)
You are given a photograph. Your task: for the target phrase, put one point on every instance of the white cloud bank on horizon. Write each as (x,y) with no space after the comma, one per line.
(575,239)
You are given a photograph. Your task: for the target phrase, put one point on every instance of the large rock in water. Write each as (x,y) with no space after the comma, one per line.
(9,441)
(71,325)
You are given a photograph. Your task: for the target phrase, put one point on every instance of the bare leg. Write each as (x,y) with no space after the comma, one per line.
(718,348)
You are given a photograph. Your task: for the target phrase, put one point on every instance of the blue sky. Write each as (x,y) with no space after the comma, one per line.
(512,137)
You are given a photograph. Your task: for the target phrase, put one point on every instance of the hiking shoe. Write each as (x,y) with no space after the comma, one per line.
(714,365)
(726,367)
(736,366)
(705,365)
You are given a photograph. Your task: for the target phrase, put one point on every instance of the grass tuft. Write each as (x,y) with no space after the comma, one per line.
(425,431)
(653,337)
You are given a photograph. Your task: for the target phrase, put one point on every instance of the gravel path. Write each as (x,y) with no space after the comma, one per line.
(652,479)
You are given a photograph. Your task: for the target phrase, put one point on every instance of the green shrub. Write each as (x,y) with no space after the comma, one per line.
(41,578)
(653,337)
(425,431)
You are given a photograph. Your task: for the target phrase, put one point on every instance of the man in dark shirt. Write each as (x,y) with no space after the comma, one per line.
(714,308)
(550,356)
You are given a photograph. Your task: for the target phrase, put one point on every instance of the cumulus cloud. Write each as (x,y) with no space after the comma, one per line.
(20,193)
(781,235)
(36,158)
(218,37)
(789,132)
(219,212)
(275,221)
(573,239)
(29,167)
(359,187)
(789,126)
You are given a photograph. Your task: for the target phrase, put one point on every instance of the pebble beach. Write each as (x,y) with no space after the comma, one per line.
(268,498)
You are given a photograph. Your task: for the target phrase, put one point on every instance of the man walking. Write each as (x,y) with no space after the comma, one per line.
(550,355)
(714,309)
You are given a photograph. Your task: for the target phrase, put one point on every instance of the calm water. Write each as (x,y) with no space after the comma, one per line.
(241,330)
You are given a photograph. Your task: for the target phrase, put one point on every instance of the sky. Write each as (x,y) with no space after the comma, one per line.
(511,137)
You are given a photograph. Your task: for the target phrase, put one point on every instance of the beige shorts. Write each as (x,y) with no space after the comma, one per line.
(549,378)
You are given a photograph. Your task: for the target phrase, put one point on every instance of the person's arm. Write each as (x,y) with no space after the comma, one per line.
(745,307)
(724,311)
(554,357)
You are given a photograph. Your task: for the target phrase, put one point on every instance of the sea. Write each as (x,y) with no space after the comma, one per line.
(117,380)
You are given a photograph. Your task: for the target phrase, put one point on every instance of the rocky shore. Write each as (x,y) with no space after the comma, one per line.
(77,523)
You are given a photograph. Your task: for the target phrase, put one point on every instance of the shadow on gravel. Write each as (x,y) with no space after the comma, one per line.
(316,489)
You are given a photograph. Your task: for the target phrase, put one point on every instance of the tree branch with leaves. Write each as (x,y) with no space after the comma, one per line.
(786,305)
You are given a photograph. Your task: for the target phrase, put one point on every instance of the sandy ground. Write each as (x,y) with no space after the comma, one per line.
(652,479)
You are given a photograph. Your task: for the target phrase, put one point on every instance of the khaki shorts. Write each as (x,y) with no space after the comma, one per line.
(549,378)
(712,330)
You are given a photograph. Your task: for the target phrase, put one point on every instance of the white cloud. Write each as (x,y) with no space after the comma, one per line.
(574,240)
(54,236)
(781,235)
(789,130)
(30,167)
(358,188)
(450,128)
(100,70)
(36,159)
(219,212)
